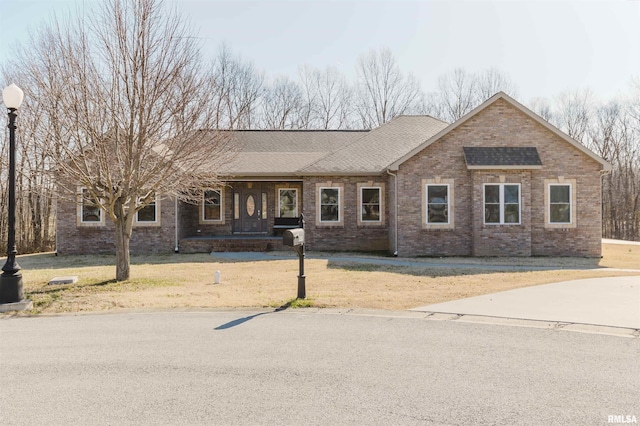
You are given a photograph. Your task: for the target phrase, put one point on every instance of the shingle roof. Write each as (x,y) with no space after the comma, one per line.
(301,152)
(380,147)
(482,157)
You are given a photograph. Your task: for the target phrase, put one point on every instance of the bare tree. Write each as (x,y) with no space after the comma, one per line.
(574,113)
(614,137)
(456,95)
(122,93)
(283,105)
(237,89)
(492,81)
(543,108)
(460,91)
(328,98)
(383,91)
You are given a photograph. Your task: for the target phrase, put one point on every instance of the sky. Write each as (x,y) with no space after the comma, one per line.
(544,46)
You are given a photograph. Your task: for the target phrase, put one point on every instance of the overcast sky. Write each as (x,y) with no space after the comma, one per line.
(544,46)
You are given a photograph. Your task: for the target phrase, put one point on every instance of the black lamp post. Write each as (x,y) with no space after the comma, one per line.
(11,279)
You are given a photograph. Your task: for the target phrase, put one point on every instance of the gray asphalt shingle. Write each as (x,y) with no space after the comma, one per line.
(501,156)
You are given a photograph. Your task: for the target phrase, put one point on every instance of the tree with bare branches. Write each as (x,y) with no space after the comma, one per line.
(575,109)
(384,92)
(461,91)
(283,105)
(122,94)
(237,90)
(328,98)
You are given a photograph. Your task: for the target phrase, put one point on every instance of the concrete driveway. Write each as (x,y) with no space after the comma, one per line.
(610,302)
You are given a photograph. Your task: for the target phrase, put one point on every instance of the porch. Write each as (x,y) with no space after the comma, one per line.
(230,243)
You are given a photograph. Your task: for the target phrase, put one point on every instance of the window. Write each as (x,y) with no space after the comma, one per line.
(148,214)
(329,204)
(212,205)
(370,202)
(90,211)
(437,204)
(560,204)
(502,203)
(288,202)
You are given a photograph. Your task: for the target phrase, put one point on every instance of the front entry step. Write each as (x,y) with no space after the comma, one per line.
(230,243)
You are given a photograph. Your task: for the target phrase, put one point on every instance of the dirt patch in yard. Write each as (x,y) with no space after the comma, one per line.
(187,281)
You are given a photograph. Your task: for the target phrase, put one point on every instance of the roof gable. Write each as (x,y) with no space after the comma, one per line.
(501,95)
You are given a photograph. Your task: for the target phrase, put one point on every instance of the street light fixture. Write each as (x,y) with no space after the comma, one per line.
(11,279)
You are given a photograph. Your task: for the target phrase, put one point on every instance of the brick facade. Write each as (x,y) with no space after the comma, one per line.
(500,123)
(75,238)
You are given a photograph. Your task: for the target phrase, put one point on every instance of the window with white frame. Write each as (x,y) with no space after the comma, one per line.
(288,202)
(560,209)
(502,203)
(370,202)
(330,204)
(437,204)
(90,211)
(212,205)
(148,213)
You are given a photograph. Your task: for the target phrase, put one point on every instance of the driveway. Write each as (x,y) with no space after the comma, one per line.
(611,302)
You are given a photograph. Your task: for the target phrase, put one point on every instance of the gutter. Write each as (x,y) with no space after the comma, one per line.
(176,249)
(395,202)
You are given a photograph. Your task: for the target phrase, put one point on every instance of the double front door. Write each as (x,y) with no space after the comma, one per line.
(249,208)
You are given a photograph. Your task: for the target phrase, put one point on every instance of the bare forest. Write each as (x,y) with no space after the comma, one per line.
(61,68)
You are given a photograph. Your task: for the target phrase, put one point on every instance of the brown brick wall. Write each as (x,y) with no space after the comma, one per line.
(81,239)
(349,236)
(500,125)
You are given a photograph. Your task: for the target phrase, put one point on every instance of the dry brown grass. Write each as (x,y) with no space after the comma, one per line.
(186,281)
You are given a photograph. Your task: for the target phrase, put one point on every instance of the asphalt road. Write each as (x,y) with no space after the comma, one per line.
(308,367)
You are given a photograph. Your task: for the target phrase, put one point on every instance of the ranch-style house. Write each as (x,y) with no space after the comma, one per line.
(500,181)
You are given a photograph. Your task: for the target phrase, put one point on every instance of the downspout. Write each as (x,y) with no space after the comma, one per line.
(395,203)
(176,249)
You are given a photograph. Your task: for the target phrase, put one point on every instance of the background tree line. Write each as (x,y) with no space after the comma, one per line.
(244,97)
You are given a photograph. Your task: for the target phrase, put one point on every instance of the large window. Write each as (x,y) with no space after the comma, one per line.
(212,205)
(560,204)
(330,204)
(370,202)
(90,211)
(148,214)
(502,203)
(437,204)
(288,202)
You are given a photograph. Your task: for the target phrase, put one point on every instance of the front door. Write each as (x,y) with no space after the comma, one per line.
(250,209)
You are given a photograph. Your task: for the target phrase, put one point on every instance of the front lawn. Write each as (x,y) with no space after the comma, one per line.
(187,281)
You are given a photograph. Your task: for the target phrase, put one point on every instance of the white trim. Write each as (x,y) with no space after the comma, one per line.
(221,206)
(339,205)
(448,203)
(360,203)
(281,188)
(573,206)
(319,187)
(176,248)
(80,211)
(154,222)
(501,203)
(549,203)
